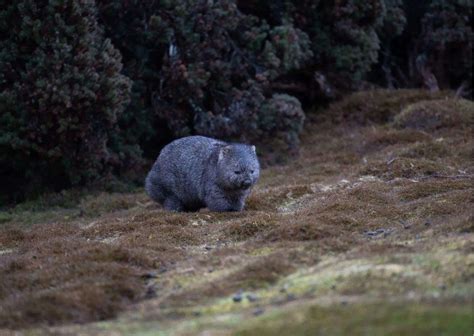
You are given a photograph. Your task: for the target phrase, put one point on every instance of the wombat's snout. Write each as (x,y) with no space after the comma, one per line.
(246,184)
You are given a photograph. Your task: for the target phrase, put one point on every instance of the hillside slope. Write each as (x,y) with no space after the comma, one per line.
(369,230)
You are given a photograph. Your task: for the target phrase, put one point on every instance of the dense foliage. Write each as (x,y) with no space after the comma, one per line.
(206,68)
(61,93)
(235,69)
(432,50)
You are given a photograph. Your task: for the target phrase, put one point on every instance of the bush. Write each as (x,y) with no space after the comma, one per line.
(61,93)
(213,68)
(446,37)
(343,34)
(208,68)
(434,50)
(126,23)
(238,70)
(394,43)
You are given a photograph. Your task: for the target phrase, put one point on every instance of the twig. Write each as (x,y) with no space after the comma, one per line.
(404,224)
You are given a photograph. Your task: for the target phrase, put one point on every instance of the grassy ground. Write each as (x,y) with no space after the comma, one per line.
(370,231)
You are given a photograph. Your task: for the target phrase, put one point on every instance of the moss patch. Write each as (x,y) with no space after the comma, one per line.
(359,319)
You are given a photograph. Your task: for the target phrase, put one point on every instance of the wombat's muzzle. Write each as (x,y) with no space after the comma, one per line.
(246,184)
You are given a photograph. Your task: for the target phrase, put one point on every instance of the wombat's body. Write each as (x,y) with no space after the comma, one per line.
(197,172)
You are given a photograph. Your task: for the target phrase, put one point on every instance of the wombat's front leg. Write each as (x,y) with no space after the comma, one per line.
(221,207)
(221,204)
(218,203)
(173,204)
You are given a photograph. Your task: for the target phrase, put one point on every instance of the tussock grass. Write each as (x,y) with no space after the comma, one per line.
(378,106)
(436,114)
(389,190)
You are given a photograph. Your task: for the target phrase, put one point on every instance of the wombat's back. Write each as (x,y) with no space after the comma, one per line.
(179,169)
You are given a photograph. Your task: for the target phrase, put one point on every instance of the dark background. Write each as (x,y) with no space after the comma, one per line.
(91,90)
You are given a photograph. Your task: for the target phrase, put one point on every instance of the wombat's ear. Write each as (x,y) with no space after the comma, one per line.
(254,150)
(224,151)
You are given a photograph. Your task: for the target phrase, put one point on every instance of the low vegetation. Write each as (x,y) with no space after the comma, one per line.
(369,230)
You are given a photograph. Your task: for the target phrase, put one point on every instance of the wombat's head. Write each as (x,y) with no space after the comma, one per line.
(237,166)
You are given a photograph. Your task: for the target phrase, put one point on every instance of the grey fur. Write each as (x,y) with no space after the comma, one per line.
(197,172)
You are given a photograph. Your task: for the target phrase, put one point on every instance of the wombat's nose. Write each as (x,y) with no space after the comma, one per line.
(246,183)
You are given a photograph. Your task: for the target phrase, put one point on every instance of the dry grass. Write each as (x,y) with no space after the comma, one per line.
(255,274)
(379,106)
(250,227)
(436,114)
(354,191)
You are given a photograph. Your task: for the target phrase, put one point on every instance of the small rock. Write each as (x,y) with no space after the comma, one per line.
(150,292)
(162,269)
(208,248)
(150,275)
(378,232)
(428,222)
(404,224)
(258,311)
(237,297)
(252,297)
(442,287)
(291,297)
(344,302)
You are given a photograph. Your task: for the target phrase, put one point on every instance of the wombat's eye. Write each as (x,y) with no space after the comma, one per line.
(236,172)
(251,172)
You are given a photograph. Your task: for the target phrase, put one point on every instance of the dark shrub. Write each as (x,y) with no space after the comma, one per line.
(61,93)
(434,50)
(202,68)
(343,34)
(233,69)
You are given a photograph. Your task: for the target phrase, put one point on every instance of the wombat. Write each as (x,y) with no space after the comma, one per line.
(196,172)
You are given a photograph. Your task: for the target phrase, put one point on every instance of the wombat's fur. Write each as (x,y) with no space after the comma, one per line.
(197,172)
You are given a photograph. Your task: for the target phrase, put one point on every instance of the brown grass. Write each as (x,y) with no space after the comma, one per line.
(434,187)
(430,150)
(271,199)
(250,227)
(255,274)
(407,168)
(80,273)
(58,280)
(379,138)
(436,114)
(338,221)
(409,181)
(378,106)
